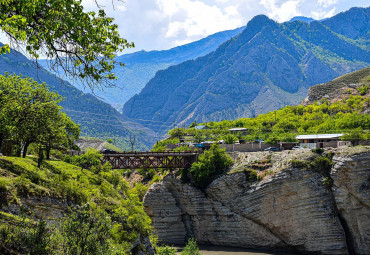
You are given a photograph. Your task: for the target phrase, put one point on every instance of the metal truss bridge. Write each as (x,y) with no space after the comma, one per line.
(134,160)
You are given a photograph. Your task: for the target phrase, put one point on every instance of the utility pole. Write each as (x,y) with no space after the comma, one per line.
(132,141)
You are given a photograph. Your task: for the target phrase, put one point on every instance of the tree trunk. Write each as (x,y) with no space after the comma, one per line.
(41,157)
(25,149)
(1,142)
(18,152)
(48,149)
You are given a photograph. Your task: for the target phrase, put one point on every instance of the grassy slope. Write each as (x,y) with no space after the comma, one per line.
(59,185)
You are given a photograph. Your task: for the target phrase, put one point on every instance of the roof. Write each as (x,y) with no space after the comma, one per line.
(238,129)
(318,136)
(200,127)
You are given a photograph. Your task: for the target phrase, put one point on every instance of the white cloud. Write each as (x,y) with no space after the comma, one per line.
(323,14)
(281,11)
(327,3)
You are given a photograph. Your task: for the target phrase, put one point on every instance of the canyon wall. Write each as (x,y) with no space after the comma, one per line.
(289,209)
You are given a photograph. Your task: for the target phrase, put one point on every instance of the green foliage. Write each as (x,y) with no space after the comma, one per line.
(91,158)
(354,135)
(327,182)
(230,139)
(177,132)
(166,250)
(86,232)
(191,248)
(113,202)
(363,89)
(344,116)
(318,151)
(26,237)
(210,164)
(298,163)
(30,114)
(161,145)
(321,164)
(83,44)
(109,140)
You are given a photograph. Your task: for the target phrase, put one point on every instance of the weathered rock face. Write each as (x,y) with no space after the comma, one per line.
(291,209)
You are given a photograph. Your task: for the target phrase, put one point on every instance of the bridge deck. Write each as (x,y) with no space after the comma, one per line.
(133,160)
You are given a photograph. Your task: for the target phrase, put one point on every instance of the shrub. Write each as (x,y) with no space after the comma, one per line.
(230,139)
(191,248)
(298,163)
(322,165)
(84,232)
(318,151)
(90,159)
(166,250)
(210,164)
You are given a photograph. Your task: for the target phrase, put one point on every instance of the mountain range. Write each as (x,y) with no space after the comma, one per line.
(97,119)
(141,66)
(267,66)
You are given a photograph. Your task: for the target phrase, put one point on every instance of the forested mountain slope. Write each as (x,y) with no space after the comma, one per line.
(97,119)
(141,66)
(267,66)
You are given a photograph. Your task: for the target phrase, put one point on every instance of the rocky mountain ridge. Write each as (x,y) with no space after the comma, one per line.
(267,66)
(341,87)
(289,209)
(141,66)
(97,119)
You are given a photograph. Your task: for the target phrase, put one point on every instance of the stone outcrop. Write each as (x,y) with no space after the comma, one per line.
(290,209)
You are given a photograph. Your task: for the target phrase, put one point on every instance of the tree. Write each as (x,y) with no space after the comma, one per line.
(82,44)
(30,113)
(210,164)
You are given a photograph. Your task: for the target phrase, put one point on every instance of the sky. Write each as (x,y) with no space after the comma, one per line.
(164,24)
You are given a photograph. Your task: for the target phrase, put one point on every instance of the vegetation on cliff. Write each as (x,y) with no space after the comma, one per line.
(103,207)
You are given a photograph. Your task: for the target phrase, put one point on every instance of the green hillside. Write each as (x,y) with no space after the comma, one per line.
(73,202)
(349,115)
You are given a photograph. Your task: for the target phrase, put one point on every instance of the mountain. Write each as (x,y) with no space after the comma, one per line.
(267,66)
(97,119)
(141,66)
(302,18)
(355,83)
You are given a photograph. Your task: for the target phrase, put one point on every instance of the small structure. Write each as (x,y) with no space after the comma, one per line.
(235,131)
(319,140)
(201,127)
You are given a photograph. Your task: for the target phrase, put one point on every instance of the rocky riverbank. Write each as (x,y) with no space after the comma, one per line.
(288,208)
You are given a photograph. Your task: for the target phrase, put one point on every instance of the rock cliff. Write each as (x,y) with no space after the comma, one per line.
(289,209)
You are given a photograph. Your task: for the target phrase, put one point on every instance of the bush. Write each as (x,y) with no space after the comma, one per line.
(298,163)
(318,151)
(90,159)
(210,164)
(84,232)
(191,248)
(166,250)
(322,165)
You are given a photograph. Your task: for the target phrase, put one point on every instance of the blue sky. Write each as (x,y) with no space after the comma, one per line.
(163,24)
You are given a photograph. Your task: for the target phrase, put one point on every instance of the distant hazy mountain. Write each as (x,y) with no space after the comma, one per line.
(267,66)
(301,18)
(141,66)
(97,119)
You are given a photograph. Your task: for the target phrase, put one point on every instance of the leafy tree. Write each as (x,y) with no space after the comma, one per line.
(83,44)
(210,164)
(90,159)
(30,113)
(230,139)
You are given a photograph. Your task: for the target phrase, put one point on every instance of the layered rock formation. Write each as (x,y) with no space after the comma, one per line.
(289,209)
